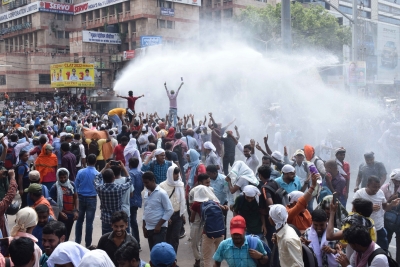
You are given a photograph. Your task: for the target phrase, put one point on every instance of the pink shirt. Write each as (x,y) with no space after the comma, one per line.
(172,99)
(386,191)
(38,251)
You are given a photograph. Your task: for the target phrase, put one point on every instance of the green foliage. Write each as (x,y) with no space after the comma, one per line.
(312,26)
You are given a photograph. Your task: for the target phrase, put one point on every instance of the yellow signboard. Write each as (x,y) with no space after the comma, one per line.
(72,75)
(6,2)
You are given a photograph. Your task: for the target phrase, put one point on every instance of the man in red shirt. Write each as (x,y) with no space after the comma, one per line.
(119,149)
(131,102)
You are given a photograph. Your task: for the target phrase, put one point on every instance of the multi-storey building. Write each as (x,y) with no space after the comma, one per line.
(38,33)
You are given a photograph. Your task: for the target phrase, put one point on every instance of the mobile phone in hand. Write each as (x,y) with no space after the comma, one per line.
(334,197)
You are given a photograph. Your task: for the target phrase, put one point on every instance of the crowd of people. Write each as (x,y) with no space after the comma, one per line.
(288,208)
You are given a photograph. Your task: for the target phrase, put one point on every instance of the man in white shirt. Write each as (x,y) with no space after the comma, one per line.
(251,158)
(360,240)
(82,161)
(17,147)
(374,194)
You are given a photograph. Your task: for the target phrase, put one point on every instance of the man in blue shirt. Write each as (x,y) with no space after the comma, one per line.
(23,176)
(289,181)
(136,199)
(44,217)
(237,251)
(157,211)
(87,200)
(221,188)
(159,166)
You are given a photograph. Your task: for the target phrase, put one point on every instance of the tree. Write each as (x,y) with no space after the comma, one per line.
(312,26)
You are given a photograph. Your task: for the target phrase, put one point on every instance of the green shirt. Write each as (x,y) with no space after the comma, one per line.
(250,211)
(43,260)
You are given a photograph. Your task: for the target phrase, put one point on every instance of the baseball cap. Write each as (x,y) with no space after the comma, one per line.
(288,168)
(49,147)
(238,225)
(34,176)
(299,152)
(162,254)
(34,189)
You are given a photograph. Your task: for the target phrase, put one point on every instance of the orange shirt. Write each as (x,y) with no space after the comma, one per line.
(299,216)
(43,201)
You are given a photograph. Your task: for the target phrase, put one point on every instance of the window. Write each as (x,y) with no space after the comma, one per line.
(170,24)
(209,3)
(389,20)
(66,35)
(119,8)
(44,79)
(3,80)
(83,17)
(163,3)
(349,10)
(60,17)
(60,34)
(161,23)
(68,17)
(228,13)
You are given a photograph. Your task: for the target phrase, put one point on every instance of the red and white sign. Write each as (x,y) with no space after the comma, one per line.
(129,54)
(95,4)
(56,8)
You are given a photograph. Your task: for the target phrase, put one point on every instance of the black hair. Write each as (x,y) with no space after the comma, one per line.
(149,176)
(77,136)
(133,163)
(14,138)
(264,171)
(127,252)
(247,146)
(357,234)
(151,146)
(56,228)
(130,93)
(168,145)
(108,176)
(265,157)
(22,153)
(363,206)
(65,146)
(22,244)
(319,215)
(118,216)
(91,159)
(177,170)
(116,170)
(42,140)
(68,136)
(212,168)
(42,209)
(38,194)
(202,177)
(178,135)
(373,179)
(62,172)
(124,138)
(124,128)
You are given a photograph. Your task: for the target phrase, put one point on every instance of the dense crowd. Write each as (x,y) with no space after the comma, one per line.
(289,207)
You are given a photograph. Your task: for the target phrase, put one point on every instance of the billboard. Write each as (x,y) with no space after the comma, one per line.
(101,37)
(170,12)
(388,43)
(56,8)
(150,40)
(72,75)
(95,4)
(5,2)
(355,73)
(19,12)
(187,2)
(129,54)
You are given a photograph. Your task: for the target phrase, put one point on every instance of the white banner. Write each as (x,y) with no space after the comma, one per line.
(187,2)
(101,37)
(19,12)
(95,4)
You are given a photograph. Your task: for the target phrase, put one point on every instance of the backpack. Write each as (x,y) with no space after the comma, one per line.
(25,182)
(252,241)
(391,261)
(93,148)
(178,150)
(309,258)
(279,196)
(10,157)
(76,150)
(213,219)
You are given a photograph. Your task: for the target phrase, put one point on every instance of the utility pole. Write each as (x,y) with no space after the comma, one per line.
(354,35)
(286,26)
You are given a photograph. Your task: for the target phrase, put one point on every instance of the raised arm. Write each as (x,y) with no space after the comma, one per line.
(269,151)
(237,133)
(229,124)
(122,96)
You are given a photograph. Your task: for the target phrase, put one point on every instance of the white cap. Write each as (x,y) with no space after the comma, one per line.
(288,168)
(277,155)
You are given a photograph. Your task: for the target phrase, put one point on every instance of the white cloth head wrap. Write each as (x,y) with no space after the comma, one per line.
(179,188)
(96,258)
(277,155)
(294,196)
(288,168)
(252,191)
(25,218)
(159,151)
(67,252)
(209,145)
(131,151)
(204,193)
(278,214)
(241,170)
(394,175)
